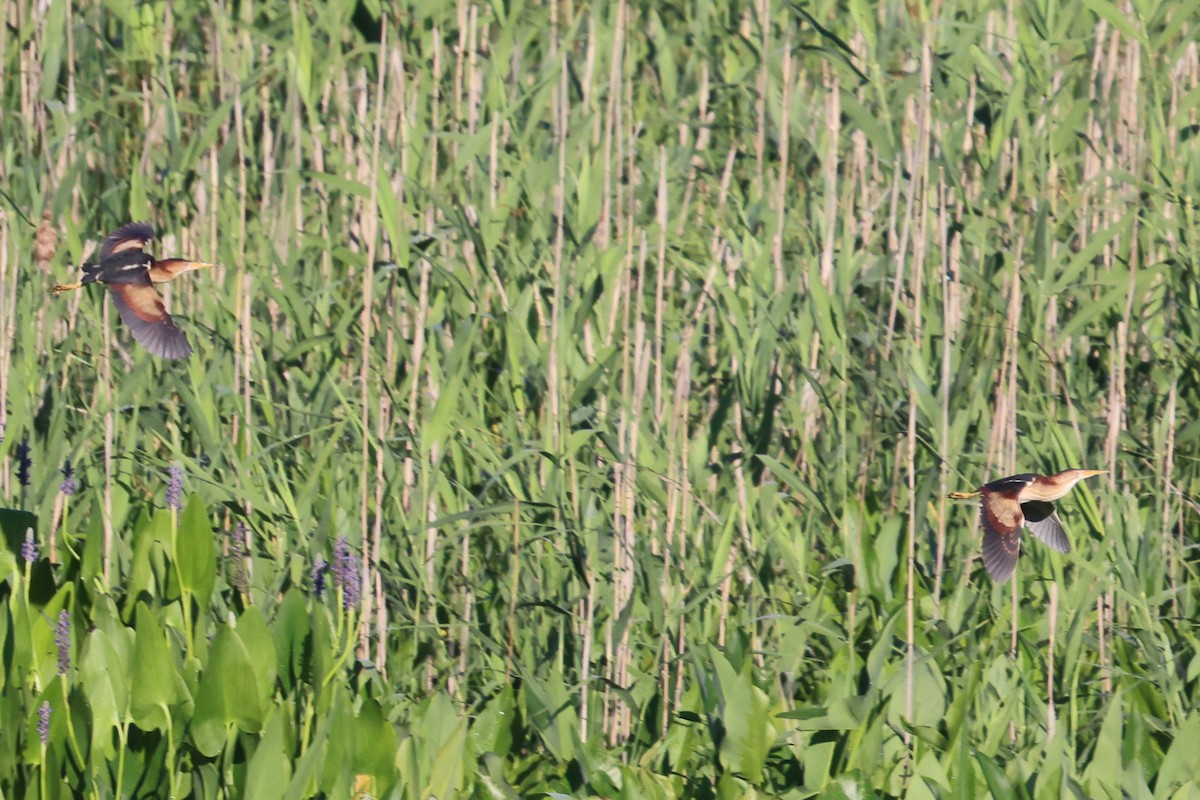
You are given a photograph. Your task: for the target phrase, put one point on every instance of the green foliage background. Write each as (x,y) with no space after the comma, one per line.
(633,349)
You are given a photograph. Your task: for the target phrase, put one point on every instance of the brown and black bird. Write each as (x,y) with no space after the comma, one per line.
(1018,501)
(130,274)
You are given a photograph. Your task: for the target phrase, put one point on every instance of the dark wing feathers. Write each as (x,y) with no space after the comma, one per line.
(1013,483)
(1044,523)
(143,311)
(1003,519)
(130,236)
(1000,551)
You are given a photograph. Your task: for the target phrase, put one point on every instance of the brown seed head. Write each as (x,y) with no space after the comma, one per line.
(45,241)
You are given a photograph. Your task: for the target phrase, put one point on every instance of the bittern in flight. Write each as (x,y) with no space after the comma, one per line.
(1022,500)
(130,274)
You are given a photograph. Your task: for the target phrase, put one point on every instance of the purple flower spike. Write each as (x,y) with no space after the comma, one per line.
(319,570)
(29,548)
(175,487)
(23,463)
(44,722)
(345,569)
(68,487)
(62,640)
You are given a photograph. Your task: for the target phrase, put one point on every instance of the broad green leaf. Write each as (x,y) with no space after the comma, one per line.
(195,553)
(228,695)
(375,747)
(270,770)
(256,638)
(746,720)
(157,686)
(290,632)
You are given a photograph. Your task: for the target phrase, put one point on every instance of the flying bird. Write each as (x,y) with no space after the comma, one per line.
(130,274)
(1018,501)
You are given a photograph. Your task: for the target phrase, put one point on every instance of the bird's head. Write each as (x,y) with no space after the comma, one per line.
(1064,481)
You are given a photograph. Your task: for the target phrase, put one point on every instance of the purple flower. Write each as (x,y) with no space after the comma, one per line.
(23,463)
(319,570)
(67,487)
(345,569)
(44,722)
(62,640)
(175,487)
(29,549)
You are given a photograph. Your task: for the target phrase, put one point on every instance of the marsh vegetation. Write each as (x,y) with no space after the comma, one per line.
(576,399)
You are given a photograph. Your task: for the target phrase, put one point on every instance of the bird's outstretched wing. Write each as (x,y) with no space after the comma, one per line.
(143,311)
(1002,520)
(1044,523)
(130,236)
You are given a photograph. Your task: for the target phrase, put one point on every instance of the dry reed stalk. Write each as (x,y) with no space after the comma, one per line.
(514,586)
(369,221)
(1116,399)
(893,247)
(662,545)
(681,395)
(612,125)
(1103,607)
(415,368)
(106,391)
(623,489)
(916,221)
(587,83)
(1001,452)
(947,273)
(585,658)
(831,165)
(660,304)
(781,172)
(1169,553)
(701,137)
(637,401)
(1091,220)
(1053,618)
(762,10)
(1007,439)
(243,349)
(8,314)
(460,49)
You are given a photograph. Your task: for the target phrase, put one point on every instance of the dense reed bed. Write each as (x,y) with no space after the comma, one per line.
(576,401)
